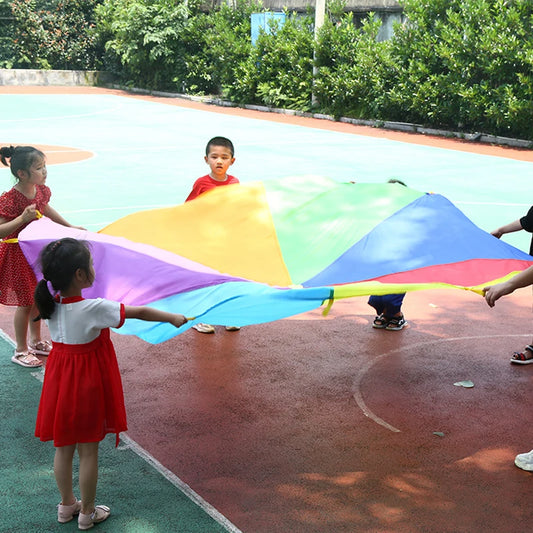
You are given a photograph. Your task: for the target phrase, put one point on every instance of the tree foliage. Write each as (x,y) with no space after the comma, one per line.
(355,71)
(455,64)
(143,36)
(212,44)
(58,34)
(466,64)
(279,70)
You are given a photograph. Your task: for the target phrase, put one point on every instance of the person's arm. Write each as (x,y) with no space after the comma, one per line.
(52,214)
(7,227)
(495,292)
(153,315)
(508,228)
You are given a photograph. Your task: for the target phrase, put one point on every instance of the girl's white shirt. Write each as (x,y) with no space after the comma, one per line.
(81,322)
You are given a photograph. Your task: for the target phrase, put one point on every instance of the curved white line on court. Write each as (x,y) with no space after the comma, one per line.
(358,397)
(71,151)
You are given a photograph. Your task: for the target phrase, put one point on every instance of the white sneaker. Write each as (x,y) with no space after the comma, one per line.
(524,461)
(204,328)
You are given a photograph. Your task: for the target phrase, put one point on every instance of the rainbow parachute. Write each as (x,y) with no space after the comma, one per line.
(252,253)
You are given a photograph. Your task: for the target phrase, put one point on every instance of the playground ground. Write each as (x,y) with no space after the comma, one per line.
(309,424)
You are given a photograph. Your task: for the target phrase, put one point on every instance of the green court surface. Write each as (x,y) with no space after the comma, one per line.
(147,154)
(142,495)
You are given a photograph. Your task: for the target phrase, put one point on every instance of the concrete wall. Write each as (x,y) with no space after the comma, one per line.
(389,11)
(52,77)
(357,6)
(388,19)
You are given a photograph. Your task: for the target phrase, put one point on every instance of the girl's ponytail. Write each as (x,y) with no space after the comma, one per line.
(20,158)
(43,300)
(59,261)
(5,153)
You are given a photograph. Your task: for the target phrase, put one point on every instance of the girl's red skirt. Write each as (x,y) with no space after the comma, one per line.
(82,398)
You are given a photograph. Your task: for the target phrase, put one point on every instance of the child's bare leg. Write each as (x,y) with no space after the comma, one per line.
(88,452)
(63,473)
(22,317)
(35,327)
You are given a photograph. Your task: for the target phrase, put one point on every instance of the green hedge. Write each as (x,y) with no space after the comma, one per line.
(46,35)
(453,64)
(465,64)
(355,72)
(279,69)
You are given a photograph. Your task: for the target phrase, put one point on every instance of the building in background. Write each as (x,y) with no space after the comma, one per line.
(389,11)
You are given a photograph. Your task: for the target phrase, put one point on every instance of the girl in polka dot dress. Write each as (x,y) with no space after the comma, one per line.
(25,202)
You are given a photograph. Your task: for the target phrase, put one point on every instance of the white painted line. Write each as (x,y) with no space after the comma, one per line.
(358,396)
(39,374)
(7,338)
(64,117)
(72,151)
(179,484)
(130,444)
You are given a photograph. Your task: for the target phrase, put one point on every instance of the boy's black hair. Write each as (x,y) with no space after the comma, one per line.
(220,141)
(59,261)
(20,158)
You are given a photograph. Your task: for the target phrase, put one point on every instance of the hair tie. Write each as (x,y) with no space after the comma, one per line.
(50,287)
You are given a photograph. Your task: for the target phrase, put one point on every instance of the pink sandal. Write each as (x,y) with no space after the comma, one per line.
(26,359)
(65,513)
(40,347)
(87,521)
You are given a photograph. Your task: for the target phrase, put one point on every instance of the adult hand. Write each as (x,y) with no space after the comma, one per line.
(494,292)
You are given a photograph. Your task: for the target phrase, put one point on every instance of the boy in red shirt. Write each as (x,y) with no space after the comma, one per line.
(219,155)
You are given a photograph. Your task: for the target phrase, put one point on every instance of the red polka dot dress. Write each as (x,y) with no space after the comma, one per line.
(17,280)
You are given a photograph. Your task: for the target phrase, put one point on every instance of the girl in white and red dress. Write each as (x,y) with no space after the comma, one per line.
(25,202)
(82,398)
